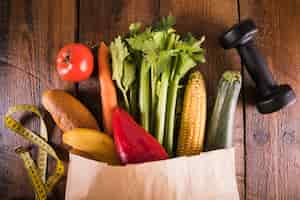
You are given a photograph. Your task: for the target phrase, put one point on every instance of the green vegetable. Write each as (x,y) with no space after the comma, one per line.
(165,23)
(135,28)
(184,63)
(123,71)
(162,91)
(160,58)
(190,53)
(144,95)
(133,99)
(153,44)
(220,129)
(143,43)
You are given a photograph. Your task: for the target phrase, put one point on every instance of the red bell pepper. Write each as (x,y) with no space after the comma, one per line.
(133,143)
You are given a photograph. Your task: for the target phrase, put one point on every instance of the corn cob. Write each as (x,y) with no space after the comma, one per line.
(192,127)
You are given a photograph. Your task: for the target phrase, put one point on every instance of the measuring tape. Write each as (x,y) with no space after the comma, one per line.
(37,173)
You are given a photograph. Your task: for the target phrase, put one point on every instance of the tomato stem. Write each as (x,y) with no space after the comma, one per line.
(67,57)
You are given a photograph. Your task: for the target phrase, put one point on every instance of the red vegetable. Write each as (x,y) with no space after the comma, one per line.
(133,143)
(75,62)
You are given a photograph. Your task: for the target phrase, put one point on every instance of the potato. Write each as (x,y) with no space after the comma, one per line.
(67,112)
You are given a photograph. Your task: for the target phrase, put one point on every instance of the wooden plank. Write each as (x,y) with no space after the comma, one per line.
(31,32)
(102,20)
(272,141)
(212,18)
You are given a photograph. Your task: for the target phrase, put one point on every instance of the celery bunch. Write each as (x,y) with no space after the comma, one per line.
(149,64)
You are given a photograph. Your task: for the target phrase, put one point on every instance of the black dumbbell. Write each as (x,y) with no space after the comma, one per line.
(272,97)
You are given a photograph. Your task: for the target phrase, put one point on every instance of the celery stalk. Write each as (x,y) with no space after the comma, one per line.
(163,94)
(161,107)
(183,64)
(144,95)
(153,97)
(170,118)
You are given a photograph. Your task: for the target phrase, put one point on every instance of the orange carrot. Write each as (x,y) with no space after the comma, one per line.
(108,91)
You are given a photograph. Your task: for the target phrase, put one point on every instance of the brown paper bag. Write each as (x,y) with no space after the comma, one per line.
(207,176)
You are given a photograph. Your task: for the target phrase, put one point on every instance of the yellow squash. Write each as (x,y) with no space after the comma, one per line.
(92,144)
(193,118)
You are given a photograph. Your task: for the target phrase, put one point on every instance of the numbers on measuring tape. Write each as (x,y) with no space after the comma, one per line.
(37,173)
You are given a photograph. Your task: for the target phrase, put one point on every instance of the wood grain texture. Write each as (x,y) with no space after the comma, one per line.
(31,33)
(102,20)
(208,18)
(272,141)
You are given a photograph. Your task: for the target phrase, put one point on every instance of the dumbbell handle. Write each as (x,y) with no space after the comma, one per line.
(257,67)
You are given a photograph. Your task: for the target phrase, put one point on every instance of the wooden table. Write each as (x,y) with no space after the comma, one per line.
(32,32)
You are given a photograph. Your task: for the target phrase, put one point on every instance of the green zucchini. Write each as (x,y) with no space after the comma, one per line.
(220,128)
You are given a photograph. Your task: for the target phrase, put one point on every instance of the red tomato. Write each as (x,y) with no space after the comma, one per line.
(75,62)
